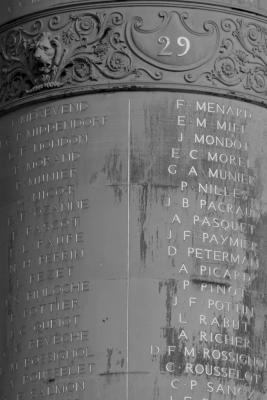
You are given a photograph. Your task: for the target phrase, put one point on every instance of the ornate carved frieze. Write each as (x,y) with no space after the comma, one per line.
(138,47)
(181,47)
(66,51)
(242,58)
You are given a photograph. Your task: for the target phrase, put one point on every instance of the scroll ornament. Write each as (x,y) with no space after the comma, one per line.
(68,51)
(83,50)
(241,61)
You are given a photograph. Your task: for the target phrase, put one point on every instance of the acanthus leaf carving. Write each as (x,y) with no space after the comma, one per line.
(241,59)
(87,48)
(72,50)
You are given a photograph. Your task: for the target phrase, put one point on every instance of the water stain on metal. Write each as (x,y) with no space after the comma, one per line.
(137,167)
(156,391)
(109,355)
(113,169)
(171,291)
(143,201)
(171,335)
(93,178)
(256,296)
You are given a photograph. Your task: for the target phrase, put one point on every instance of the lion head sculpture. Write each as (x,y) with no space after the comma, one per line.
(47,53)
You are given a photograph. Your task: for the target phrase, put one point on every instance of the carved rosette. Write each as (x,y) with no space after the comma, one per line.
(242,58)
(109,50)
(66,51)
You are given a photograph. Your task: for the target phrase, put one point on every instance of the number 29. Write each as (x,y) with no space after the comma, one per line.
(182,41)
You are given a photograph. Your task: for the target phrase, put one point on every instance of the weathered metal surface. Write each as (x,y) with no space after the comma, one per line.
(63,216)
(133,221)
(133,249)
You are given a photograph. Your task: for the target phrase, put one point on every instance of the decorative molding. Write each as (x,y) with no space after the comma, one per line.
(242,59)
(195,48)
(128,47)
(65,51)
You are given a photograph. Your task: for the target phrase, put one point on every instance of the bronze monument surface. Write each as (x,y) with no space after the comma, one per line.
(133,201)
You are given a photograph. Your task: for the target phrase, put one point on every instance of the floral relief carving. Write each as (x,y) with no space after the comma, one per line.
(242,57)
(90,48)
(65,51)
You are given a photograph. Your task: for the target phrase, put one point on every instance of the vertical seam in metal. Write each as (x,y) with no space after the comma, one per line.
(128,243)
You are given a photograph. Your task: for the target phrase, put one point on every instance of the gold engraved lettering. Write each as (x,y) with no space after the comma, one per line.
(73,371)
(50,111)
(61,256)
(52,274)
(52,192)
(67,355)
(55,143)
(65,288)
(57,323)
(55,389)
(58,339)
(52,176)
(51,307)
(223,109)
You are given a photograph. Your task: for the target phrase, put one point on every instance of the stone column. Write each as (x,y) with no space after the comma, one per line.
(133,200)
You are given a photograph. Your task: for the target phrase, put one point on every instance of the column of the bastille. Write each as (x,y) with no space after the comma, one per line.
(133,200)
